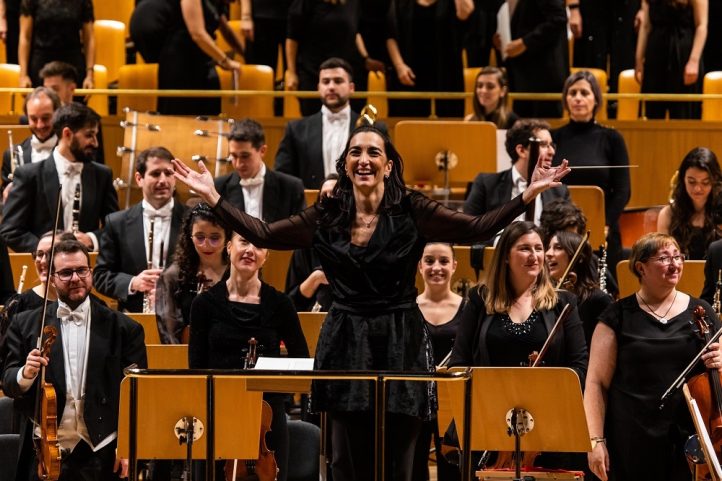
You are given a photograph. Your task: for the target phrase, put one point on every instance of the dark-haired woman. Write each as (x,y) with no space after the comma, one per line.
(586,143)
(692,216)
(582,280)
(490,98)
(369,237)
(199,262)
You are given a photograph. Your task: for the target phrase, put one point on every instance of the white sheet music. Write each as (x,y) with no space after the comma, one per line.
(285,363)
(503,27)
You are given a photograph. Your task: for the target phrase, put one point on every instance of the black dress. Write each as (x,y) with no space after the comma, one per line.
(57,27)
(220,331)
(183,65)
(590,310)
(374,322)
(668,47)
(645,442)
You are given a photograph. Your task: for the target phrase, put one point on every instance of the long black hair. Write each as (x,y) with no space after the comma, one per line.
(185,254)
(340,210)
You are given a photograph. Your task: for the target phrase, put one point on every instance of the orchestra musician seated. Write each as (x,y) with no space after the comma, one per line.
(581,279)
(225,317)
(511,316)
(136,242)
(199,262)
(692,216)
(491,87)
(85,366)
(640,345)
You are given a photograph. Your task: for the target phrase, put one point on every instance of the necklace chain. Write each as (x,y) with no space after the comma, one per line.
(368,224)
(663,319)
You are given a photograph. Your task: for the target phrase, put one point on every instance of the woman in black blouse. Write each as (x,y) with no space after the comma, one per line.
(56,30)
(586,143)
(229,314)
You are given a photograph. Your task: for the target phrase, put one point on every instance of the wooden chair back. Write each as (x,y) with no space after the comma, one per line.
(110,45)
(10,77)
(252,77)
(590,199)
(377,83)
(138,76)
(712,84)
(311,323)
(150,326)
(167,356)
(692,280)
(628,109)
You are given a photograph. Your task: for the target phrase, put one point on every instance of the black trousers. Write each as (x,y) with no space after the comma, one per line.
(82,464)
(352,457)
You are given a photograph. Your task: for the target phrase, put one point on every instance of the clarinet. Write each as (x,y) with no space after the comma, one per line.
(13,155)
(716,303)
(76,209)
(147,308)
(602,273)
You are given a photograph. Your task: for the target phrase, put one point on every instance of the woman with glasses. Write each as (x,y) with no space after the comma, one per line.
(640,345)
(588,144)
(225,317)
(692,216)
(199,262)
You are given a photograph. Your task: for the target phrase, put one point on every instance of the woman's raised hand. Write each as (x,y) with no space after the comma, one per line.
(201,182)
(545,177)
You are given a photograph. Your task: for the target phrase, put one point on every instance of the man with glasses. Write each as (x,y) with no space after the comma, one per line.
(128,267)
(85,366)
(253,188)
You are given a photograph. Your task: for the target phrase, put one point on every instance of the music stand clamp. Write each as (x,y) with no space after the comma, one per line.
(187,430)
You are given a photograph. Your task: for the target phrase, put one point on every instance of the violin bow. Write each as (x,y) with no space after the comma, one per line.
(573,260)
(566,312)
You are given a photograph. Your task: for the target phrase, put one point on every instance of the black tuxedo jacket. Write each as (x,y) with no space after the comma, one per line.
(300,152)
(711,267)
(30,208)
(123,253)
(116,342)
(282,194)
(489,191)
(26,159)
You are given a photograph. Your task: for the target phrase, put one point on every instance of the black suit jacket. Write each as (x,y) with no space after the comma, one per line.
(711,267)
(116,342)
(26,159)
(30,208)
(300,152)
(489,191)
(123,253)
(282,194)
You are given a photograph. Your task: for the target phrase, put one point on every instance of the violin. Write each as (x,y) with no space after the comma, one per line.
(47,446)
(507,459)
(706,389)
(264,468)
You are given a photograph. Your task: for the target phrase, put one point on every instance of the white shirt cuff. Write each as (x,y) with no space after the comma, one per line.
(24,382)
(95,241)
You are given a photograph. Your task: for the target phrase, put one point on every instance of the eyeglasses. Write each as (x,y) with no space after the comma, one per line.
(213,240)
(39,254)
(66,274)
(667,260)
(543,143)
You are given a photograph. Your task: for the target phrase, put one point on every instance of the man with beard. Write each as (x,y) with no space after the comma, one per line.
(263,193)
(85,365)
(311,145)
(39,108)
(31,205)
(122,270)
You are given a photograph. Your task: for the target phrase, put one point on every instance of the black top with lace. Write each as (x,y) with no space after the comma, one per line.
(374,322)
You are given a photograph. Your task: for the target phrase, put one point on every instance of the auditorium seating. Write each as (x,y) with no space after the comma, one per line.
(252,77)
(275,268)
(628,109)
(591,200)
(110,46)
(712,84)
(143,76)
(119,10)
(10,77)
(377,83)
(150,326)
(311,326)
(291,106)
(166,356)
(470,74)
(691,282)
(235,26)
(98,102)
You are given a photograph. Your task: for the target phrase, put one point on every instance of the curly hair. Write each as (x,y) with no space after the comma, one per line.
(681,204)
(340,210)
(185,254)
(583,268)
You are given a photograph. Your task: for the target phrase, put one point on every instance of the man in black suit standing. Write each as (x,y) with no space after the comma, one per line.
(122,270)
(31,205)
(311,145)
(711,270)
(252,187)
(39,107)
(489,191)
(85,366)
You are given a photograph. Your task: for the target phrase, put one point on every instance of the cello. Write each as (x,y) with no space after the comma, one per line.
(706,389)
(264,468)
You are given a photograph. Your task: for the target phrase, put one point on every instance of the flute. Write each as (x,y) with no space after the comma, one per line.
(147,308)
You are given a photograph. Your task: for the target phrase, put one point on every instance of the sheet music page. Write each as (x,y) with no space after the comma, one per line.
(285,363)
(503,27)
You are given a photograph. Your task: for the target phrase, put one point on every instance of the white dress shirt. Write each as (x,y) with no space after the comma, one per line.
(253,193)
(162,219)
(41,150)
(335,129)
(518,186)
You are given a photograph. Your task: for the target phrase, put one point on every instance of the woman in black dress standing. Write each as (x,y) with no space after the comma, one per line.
(586,143)
(640,345)
(56,30)
(369,237)
(669,54)
(225,317)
